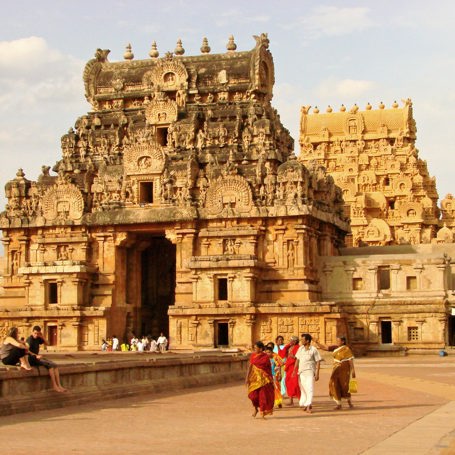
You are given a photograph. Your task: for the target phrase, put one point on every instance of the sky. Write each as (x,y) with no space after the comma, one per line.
(325,52)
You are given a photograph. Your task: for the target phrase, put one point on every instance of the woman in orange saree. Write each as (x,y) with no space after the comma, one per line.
(343,370)
(259,381)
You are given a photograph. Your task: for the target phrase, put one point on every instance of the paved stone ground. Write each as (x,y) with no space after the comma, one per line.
(404,405)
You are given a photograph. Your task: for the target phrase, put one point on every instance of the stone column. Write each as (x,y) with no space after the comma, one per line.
(231,331)
(418,270)
(394,281)
(230,293)
(420,323)
(251,286)
(6,241)
(372,286)
(396,331)
(374,331)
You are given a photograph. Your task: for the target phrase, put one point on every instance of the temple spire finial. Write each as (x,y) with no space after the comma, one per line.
(205,48)
(128,55)
(231,46)
(179,50)
(154,51)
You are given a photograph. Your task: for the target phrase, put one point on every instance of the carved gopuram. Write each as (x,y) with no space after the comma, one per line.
(389,195)
(178,206)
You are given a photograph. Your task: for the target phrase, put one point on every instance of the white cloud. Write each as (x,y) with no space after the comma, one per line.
(330,89)
(239,17)
(333,21)
(41,95)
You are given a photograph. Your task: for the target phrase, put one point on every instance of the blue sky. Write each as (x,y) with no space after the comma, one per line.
(330,52)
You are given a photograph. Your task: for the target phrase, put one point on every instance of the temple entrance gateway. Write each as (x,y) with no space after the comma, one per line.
(157,286)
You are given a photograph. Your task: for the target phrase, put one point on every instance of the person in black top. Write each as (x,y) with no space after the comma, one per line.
(36,360)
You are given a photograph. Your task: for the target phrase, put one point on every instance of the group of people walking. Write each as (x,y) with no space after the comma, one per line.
(278,370)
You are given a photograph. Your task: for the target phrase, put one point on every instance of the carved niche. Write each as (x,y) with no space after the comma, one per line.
(63,202)
(143,158)
(159,112)
(230,192)
(168,74)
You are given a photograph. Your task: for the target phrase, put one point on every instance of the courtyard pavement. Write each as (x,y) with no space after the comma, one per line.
(404,406)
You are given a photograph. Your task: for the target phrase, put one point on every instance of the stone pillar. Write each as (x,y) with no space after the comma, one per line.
(6,241)
(396,331)
(420,323)
(251,286)
(418,270)
(444,334)
(194,279)
(373,332)
(372,286)
(394,281)
(230,293)
(211,323)
(279,232)
(231,331)
(23,242)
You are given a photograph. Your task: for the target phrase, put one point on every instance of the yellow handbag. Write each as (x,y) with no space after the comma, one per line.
(353,388)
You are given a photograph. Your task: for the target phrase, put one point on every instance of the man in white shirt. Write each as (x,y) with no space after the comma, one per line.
(114,343)
(162,343)
(307,367)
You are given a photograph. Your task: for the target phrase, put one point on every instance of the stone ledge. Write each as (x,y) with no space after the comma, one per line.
(22,391)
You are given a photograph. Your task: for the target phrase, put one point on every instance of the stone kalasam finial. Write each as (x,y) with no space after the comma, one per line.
(395,104)
(315,110)
(329,109)
(128,55)
(381,105)
(231,46)
(368,107)
(343,108)
(179,48)
(205,48)
(354,109)
(154,51)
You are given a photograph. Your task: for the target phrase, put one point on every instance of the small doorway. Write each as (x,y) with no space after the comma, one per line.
(386,332)
(451,334)
(52,335)
(222,334)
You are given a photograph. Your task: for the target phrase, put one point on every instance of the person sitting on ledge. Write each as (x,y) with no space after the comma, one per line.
(36,360)
(13,351)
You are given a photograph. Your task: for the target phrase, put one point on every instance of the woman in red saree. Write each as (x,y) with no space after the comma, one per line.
(292,380)
(259,380)
(343,370)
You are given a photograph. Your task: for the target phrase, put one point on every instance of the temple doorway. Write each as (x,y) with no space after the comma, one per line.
(451,340)
(157,286)
(222,334)
(386,332)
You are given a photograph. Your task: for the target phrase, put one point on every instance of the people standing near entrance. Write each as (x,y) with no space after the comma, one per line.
(162,343)
(259,381)
(292,381)
(115,343)
(14,351)
(34,341)
(307,365)
(153,345)
(343,370)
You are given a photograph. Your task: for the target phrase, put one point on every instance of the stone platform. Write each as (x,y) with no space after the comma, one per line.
(91,377)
